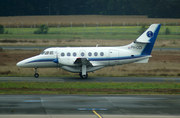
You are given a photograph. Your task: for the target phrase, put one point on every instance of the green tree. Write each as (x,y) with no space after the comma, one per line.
(142,29)
(43,29)
(167,31)
(1,29)
(151,8)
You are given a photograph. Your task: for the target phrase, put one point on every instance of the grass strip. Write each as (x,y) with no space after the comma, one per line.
(91,30)
(88,88)
(116,32)
(86,91)
(114,85)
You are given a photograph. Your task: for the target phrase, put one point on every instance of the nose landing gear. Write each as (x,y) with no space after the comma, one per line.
(36,75)
(83,76)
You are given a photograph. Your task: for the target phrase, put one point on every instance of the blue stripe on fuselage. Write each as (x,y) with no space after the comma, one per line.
(116,58)
(93,59)
(42,60)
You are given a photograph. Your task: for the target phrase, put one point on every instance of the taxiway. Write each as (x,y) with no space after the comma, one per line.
(104,105)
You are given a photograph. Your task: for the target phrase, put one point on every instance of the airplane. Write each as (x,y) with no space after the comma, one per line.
(83,60)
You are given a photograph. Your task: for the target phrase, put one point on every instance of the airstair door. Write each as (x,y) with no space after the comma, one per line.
(113,57)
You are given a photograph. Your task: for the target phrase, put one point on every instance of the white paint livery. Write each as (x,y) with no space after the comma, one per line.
(88,59)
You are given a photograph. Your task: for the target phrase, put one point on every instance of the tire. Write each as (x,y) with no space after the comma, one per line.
(36,75)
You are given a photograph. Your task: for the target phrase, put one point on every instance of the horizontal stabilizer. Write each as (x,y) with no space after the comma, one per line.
(143,61)
(141,41)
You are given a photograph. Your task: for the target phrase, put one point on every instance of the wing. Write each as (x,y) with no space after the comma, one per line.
(83,61)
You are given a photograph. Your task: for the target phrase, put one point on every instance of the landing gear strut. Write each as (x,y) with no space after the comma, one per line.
(83,76)
(36,75)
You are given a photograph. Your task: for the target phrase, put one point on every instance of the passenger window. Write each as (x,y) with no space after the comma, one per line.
(95,54)
(47,53)
(74,54)
(51,53)
(82,54)
(62,54)
(102,53)
(89,54)
(68,54)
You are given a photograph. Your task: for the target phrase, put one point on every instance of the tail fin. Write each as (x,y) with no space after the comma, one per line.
(149,38)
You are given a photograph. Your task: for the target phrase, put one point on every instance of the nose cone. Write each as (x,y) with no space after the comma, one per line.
(20,64)
(29,62)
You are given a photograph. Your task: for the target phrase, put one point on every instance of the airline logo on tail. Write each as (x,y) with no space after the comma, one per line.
(150,34)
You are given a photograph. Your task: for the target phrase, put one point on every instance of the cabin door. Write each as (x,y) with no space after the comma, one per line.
(113,57)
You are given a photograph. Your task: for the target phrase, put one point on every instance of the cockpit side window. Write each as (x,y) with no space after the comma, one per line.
(51,52)
(42,52)
(47,53)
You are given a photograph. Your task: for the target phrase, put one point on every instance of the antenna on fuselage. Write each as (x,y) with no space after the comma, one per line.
(97,45)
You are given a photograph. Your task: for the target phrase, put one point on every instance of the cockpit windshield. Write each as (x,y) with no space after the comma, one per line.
(42,52)
(51,52)
(47,53)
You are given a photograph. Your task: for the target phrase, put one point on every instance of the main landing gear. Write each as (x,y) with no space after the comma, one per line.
(83,76)
(36,75)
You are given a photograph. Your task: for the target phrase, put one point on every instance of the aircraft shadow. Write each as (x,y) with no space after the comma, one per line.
(78,79)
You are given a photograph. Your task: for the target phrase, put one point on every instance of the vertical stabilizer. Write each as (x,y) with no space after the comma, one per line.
(149,38)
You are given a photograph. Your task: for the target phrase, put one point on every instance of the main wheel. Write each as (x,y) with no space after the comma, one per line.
(36,75)
(83,76)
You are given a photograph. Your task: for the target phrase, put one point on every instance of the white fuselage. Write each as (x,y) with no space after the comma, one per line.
(99,57)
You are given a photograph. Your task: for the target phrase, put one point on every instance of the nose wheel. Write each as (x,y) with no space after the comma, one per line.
(36,75)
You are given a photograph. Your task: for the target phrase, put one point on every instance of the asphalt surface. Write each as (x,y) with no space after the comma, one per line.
(80,106)
(85,104)
(90,79)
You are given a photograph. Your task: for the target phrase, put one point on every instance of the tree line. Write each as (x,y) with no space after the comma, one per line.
(151,8)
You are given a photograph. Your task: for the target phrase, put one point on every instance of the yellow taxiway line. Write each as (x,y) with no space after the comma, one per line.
(97,114)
